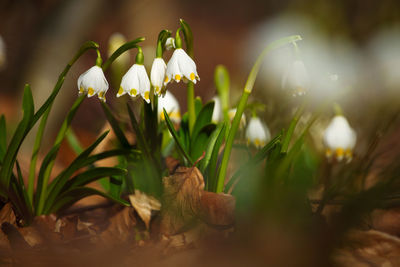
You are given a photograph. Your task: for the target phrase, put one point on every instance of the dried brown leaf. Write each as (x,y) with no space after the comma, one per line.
(182,193)
(144,204)
(217,209)
(120,229)
(369,248)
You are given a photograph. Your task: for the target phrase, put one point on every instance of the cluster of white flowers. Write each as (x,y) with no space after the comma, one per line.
(339,139)
(136,81)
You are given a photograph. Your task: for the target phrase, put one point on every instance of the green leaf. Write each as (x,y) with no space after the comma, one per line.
(201,141)
(23,193)
(71,196)
(3,137)
(215,136)
(74,142)
(59,182)
(116,183)
(198,105)
(44,111)
(176,138)
(115,126)
(212,168)
(252,162)
(92,175)
(292,127)
(204,118)
(48,162)
(22,129)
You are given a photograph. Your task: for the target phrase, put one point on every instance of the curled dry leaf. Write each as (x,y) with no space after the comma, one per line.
(387,220)
(217,209)
(120,228)
(185,203)
(369,248)
(6,216)
(144,204)
(182,193)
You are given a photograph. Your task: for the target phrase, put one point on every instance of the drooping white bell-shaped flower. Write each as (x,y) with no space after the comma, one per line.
(217,111)
(339,139)
(170,43)
(296,78)
(135,82)
(157,74)
(93,82)
(171,106)
(231,115)
(181,66)
(257,133)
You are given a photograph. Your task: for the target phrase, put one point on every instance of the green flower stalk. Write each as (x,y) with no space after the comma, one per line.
(242,104)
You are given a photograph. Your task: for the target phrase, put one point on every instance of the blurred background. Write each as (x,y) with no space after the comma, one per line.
(350,48)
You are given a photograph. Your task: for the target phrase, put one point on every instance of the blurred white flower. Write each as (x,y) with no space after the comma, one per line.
(257,133)
(3,58)
(93,82)
(231,115)
(157,74)
(339,139)
(321,53)
(384,49)
(171,106)
(296,78)
(135,82)
(217,111)
(181,66)
(170,43)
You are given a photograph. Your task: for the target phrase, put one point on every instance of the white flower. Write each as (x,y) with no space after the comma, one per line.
(257,133)
(339,139)
(93,82)
(170,43)
(217,112)
(171,105)
(157,74)
(2,54)
(296,78)
(181,66)
(135,82)
(231,115)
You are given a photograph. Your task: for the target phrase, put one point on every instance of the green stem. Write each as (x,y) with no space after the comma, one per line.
(242,104)
(120,50)
(190,106)
(229,142)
